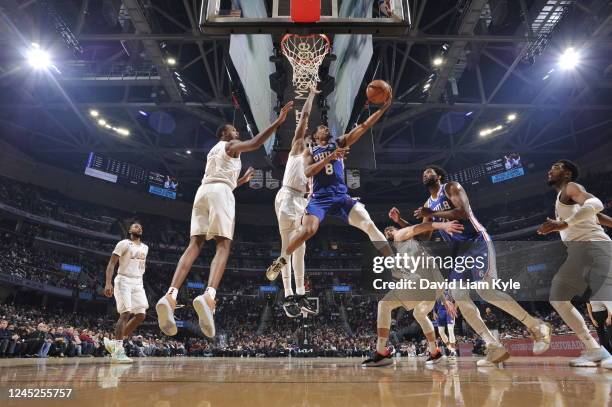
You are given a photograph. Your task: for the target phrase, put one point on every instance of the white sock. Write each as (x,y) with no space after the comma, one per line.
(211,292)
(298,268)
(173,291)
(381,345)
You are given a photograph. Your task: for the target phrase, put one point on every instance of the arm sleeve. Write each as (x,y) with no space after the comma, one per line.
(120,248)
(590,208)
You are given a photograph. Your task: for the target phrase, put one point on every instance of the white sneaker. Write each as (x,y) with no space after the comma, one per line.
(275,268)
(541,336)
(496,353)
(165,315)
(109,345)
(205,307)
(590,358)
(607,363)
(453,356)
(119,356)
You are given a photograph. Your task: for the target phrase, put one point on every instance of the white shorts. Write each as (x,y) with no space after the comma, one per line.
(130,295)
(214,210)
(289,206)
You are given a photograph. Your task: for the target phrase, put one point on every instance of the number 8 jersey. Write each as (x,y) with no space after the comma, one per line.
(330,180)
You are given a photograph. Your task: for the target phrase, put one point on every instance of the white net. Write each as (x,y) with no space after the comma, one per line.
(305,53)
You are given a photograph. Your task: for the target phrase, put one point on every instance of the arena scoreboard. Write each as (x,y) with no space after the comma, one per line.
(498,170)
(122,172)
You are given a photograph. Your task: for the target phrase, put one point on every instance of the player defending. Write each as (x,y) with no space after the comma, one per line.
(213,218)
(289,205)
(324,163)
(449,201)
(589,257)
(128,290)
(422,301)
(445,321)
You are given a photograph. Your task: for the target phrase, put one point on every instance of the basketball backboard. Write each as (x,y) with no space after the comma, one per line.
(274,17)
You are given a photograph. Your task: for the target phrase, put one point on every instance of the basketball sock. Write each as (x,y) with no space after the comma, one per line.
(173,291)
(574,320)
(472,315)
(212,292)
(298,268)
(507,304)
(286,272)
(381,345)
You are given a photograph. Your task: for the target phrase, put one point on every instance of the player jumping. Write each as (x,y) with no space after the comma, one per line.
(128,290)
(324,163)
(289,205)
(213,218)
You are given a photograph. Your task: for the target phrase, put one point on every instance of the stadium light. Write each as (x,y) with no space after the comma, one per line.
(38,58)
(511,117)
(94,113)
(438,61)
(101,122)
(188,151)
(485,132)
(122,131)
(569,59)
(171,61)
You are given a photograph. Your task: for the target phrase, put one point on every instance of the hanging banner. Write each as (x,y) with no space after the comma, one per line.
(271,182)
(353,179)
(257,181)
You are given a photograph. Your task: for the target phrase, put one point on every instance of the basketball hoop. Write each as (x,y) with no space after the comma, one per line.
(305,54)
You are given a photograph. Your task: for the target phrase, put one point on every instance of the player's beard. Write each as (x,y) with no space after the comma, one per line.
(430,182)
(134,235)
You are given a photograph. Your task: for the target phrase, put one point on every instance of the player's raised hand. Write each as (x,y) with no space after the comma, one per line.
(108,290)
(313,89)
(452,227)
(422,212)
(248,174)
(550,226)
(284,112)
(339,153)
(394,215)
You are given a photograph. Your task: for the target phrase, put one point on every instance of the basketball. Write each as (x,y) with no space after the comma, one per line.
(378,91)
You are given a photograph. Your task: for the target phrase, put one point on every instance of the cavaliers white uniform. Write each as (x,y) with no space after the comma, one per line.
(589,258)
(291,199)
(129,290)
(214,207)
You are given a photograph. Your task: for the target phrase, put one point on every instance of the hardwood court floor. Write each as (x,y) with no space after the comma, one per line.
(201,382)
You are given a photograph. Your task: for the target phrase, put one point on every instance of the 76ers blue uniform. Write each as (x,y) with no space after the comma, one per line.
(474,243)
(444,318)
(329,191)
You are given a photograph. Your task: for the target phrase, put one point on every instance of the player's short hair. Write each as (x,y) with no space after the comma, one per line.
(441,172)
(571,167)
(220,130)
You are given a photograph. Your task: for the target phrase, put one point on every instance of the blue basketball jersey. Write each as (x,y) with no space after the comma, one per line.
(439,307)
(473,230)
(330,180)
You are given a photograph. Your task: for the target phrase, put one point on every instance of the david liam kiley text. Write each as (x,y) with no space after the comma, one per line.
(467,284)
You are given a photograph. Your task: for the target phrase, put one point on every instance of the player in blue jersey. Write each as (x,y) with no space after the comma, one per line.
(449,201)
(323,161)
(445,321)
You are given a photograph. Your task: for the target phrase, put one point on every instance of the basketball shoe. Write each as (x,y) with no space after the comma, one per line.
(291,307)
(165,315)
(275,268)
(379,360)
(435,357)
(205,307)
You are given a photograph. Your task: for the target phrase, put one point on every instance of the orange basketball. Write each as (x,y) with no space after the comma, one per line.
(378,91)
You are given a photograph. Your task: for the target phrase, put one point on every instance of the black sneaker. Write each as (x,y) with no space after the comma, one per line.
(435,357)
(291,307)
(305,305)
(379,360)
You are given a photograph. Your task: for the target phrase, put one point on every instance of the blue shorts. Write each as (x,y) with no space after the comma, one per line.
(474,260)
(444,318)
(336,205)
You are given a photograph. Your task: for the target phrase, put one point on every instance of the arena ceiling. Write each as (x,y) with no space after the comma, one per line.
(500,58)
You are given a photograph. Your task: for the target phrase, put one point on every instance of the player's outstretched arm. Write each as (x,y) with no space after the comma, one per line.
(458,197)
(396,216)
(248,175)
(604,220)
(110,270)
(311,168)
(412,231)
(297,144)
(354,135)
(236,147)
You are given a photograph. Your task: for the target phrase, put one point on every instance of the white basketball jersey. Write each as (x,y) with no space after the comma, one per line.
(132,258)
(220,167)
(586,231)
(294,176)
